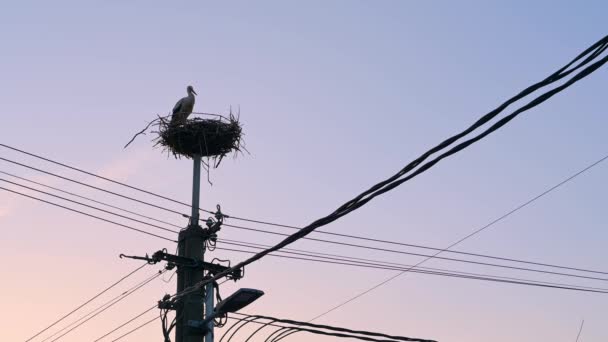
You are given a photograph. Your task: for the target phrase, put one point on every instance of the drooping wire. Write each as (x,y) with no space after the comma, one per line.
(89,199)
(97,176)
(94,187)
(102,308)
(90,206)
(87,301)
(341,332)
(87,214)
(123,324)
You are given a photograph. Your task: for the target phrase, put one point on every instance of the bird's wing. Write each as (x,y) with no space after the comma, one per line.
(178,107)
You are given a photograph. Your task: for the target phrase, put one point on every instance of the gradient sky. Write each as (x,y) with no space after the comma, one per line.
(334,96)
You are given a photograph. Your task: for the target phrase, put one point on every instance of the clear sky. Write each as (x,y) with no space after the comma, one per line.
(334,96)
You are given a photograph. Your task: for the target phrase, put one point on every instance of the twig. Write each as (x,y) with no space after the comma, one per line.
(143,131)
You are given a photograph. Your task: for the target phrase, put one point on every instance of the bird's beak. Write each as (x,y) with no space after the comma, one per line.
(194,92)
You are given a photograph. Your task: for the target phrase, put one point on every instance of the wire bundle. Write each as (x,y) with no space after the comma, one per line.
(417,167)
(286,325)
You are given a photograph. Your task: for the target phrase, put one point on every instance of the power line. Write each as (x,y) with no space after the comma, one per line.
(105,307)
(521,206)
(127,322)
(372,262)
(400,177)
(239,243)
(276,224)
(134,330)
(441,258)
(89,206)
(321,240)
(446,273)
(94,187)
(341,332)
(467,261)
(87,214)
(98,176)
(88,199)
(88,301)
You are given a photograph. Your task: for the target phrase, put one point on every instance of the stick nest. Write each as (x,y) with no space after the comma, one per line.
(212,138)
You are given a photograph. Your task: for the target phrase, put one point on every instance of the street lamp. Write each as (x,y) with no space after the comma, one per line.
(233,303)
(238,300)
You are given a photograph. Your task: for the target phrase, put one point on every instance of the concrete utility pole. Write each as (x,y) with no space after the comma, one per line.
(192,245)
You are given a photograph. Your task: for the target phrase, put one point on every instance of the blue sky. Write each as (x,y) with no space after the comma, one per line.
(334,96)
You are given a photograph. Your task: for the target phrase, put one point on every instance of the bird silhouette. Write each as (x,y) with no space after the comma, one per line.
(183,108)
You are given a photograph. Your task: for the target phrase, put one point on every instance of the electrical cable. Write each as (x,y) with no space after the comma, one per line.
(94,187)
(238,243)
(327,241)
(246,321)
(104,307)
(313,239)
(277,332)
(519,207)
(89,199)
(127,322)
(135,329)
(90,206)
(567,287)
(316,231)
(87,214)
(449,273)
(98,176)
(88,301)
(460,260)
(400,178)
(298,325)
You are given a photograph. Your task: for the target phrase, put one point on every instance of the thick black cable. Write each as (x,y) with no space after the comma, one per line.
(119,299)
(88,301)
(386,185)
(259,329)
(239,320)
(127,322)
(87,214)
(394,181)
(245,322)
(352,332)
(521,206)
(279,332)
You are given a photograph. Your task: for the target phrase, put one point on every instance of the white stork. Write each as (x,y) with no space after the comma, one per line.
(183,108)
